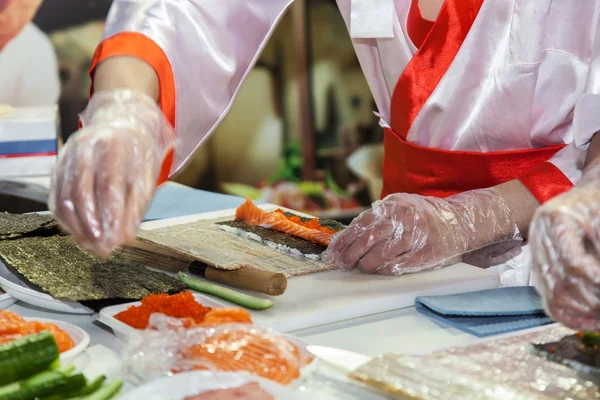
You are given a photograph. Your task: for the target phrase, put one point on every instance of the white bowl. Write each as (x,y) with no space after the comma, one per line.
(79,336)
(6,300)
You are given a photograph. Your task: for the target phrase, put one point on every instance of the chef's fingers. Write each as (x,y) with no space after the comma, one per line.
(112,159)
(346,238)
(391,248)
(587,322)
(141,186)
(68,176)
(370,238)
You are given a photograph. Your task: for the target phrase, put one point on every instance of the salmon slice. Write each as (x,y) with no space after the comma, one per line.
(269,357)
(252,215)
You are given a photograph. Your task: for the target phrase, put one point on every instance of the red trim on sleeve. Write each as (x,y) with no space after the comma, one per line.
(140,46)
(546,182)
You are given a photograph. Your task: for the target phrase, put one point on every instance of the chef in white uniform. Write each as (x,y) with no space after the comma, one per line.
(28,66)
(477,99)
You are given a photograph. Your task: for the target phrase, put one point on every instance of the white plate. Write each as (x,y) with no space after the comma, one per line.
(20,290)
(123,331)
(79,336)
(179,386)
(6,300)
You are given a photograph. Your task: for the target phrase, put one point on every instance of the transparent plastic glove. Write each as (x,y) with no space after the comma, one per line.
(407,233)
(565,244)
(107,172)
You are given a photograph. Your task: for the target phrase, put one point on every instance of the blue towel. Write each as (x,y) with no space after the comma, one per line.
(173,200)
(487,312)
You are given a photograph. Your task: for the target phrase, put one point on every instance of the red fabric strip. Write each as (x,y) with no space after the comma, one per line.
(546,181)
(430,63)
(137,45)
(408,168)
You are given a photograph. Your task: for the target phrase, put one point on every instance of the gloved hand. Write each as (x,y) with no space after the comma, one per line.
(107,172)
(565,245)
(407,233)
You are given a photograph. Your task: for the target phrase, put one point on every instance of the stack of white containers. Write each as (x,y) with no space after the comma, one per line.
(28,141)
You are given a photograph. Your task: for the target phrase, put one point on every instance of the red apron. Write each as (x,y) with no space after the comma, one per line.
(409,168)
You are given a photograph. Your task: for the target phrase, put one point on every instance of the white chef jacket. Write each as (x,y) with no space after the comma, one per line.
(526,76)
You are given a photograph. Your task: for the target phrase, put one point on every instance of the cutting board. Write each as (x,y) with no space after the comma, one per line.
(334,296)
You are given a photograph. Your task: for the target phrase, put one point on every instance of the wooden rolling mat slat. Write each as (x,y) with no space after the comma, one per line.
(173,248)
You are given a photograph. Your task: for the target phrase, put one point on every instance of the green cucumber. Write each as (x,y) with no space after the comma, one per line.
(50,387)
(27,356)
(106,392)
(86,390)
(241,299)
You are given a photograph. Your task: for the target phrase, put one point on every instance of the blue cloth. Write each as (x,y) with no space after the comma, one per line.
(173,200)
(487,312)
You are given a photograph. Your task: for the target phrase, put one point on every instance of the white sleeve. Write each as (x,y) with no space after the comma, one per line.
(211,46)
(586,120)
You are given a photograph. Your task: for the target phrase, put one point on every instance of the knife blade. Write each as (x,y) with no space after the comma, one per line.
(343,359)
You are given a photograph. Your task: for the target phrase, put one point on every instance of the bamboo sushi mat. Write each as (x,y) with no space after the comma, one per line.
(505,369)
(204,241)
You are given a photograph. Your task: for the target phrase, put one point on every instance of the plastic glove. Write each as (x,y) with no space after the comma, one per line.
(407,233)
(565,244)
(107,172)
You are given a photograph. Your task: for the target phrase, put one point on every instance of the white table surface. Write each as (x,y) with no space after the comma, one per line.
(401,331)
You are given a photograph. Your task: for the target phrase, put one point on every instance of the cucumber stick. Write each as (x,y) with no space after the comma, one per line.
(106,392)
(88,389)
(241,299)
(27,356)
(51,386)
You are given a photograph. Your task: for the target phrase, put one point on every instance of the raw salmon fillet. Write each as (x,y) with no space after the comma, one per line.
(252,215)
(249,391)
(238,350)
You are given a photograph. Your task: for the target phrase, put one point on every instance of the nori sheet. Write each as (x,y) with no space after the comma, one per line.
(58,266)
(570,351)
(304,246)
(13,226)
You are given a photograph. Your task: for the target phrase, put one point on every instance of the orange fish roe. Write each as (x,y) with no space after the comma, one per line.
(218,316)
(13,326)
(312,224)
(181,305)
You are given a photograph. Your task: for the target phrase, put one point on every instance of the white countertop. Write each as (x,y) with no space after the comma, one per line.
(402,330)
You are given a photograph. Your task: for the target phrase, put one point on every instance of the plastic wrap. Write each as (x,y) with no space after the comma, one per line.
(407,233)
(168,348)
(107,172)
(506,369)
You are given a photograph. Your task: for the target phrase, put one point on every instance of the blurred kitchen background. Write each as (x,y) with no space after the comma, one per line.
(302,132)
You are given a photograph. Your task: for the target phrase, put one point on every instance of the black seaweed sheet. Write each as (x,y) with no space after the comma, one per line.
(13,226)
(570,351)
(59,267)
